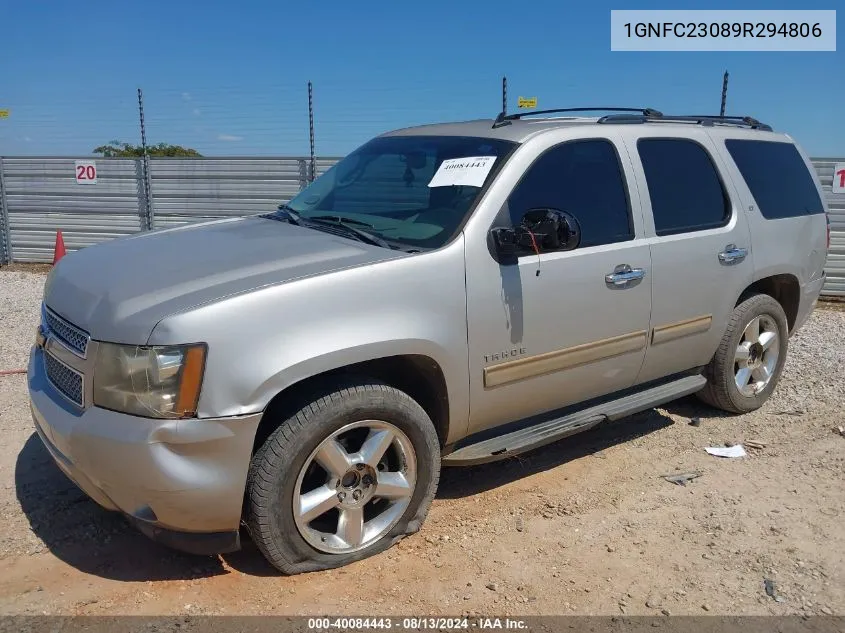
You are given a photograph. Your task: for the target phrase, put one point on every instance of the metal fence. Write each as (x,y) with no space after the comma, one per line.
(39,196)
(835,266)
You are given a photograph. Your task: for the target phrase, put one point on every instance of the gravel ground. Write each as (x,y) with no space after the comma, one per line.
(20,299)
(586,526)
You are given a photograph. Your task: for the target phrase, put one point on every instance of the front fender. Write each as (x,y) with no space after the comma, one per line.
(265,341)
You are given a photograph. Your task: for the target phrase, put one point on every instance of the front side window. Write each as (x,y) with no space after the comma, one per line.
(393,187)
(777,177)
(685,190)
(584,179)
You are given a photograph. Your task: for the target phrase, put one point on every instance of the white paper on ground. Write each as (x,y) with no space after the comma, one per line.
(471,171)
(729,451)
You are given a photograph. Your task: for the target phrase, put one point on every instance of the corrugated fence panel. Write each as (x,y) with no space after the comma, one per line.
(42,197)
(193,190)
(322,165)
(835,267)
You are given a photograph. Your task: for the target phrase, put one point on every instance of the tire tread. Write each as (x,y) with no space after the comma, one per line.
(283,441)
(719,371)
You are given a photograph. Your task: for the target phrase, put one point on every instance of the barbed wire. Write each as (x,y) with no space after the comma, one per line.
(246,119)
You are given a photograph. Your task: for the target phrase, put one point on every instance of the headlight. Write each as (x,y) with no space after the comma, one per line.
(153,382)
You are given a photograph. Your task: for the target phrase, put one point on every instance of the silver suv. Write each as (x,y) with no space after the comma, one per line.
(446,294)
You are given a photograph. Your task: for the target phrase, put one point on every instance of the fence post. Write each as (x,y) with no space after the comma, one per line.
(5,229)
(311,130)
(148,208)
(303,173)
(143,205)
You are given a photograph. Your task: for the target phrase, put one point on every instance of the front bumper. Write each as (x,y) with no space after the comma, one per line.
(181,482)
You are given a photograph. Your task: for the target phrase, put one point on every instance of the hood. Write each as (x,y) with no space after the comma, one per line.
(119,290)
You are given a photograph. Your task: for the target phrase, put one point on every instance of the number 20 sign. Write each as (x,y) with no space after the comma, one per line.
(86,172)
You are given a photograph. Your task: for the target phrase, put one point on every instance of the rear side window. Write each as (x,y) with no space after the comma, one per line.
(777,177)
(685,190)
(583,178)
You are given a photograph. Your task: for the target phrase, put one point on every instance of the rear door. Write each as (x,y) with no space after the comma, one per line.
(700,246)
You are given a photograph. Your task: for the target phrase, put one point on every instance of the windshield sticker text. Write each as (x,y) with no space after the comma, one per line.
(470,171)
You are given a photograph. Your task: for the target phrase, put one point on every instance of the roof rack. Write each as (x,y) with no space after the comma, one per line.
(708,120)
(505,119)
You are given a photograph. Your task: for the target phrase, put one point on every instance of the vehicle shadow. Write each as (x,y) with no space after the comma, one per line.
(468,481)
(93,540)
(692,407)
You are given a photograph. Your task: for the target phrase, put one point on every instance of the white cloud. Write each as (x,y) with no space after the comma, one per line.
(186,96)
(27,139)
(197,112)
(229,137)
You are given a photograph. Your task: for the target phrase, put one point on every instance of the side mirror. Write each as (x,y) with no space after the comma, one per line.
(505,242)
(560,230)
(542,230)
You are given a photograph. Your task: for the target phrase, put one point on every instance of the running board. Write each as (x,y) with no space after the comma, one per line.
(540,434)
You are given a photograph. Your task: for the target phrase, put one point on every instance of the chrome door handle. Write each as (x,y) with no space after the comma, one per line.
(622,275)
(732,254)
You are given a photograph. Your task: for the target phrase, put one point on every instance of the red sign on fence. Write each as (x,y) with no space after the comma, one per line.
(839,178)
(86,172)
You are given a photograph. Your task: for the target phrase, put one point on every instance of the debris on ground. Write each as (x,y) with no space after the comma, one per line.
(755,444)
(727,451)
(771,590)
(695,421)
(840,430)
(681,478)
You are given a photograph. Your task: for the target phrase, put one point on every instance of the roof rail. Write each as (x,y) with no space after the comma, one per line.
(505,119)
(706,119)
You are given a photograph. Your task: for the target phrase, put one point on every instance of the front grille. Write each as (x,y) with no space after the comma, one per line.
(68,333)
(63,378)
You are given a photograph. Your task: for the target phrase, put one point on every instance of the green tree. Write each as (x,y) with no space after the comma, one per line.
(118,149)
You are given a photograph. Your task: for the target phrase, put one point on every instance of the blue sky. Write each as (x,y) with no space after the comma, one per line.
(229,78)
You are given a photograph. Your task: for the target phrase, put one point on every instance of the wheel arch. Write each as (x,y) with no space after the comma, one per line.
(783,288)
(418,375)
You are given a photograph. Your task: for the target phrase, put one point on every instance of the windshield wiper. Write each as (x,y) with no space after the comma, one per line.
(363,236)
(338,219)
(289,214)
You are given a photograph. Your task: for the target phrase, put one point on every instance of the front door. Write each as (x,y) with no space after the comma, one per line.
(558,328)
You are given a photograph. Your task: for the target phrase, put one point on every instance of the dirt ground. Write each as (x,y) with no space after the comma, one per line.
(586,526)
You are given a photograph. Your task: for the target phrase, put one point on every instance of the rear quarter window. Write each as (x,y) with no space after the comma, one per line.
(777,177)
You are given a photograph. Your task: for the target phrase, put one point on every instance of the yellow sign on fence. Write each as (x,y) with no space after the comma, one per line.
(4,114)
(530,102)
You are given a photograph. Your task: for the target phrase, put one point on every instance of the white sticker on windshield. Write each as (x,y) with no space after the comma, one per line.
(471,171)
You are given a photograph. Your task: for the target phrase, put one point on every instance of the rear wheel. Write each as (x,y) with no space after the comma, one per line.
(344,478)
(747,366)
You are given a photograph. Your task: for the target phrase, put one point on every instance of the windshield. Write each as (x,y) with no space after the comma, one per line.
(398,188)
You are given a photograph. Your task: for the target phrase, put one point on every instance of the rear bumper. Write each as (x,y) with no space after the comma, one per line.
(181,482)
(807,302)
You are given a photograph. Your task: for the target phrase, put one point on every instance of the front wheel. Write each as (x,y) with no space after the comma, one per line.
(747,366)
(343,478)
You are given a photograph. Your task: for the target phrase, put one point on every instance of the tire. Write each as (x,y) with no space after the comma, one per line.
(289,463)
(723,378)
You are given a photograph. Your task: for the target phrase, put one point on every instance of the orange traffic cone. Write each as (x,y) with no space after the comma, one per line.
(59,250)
